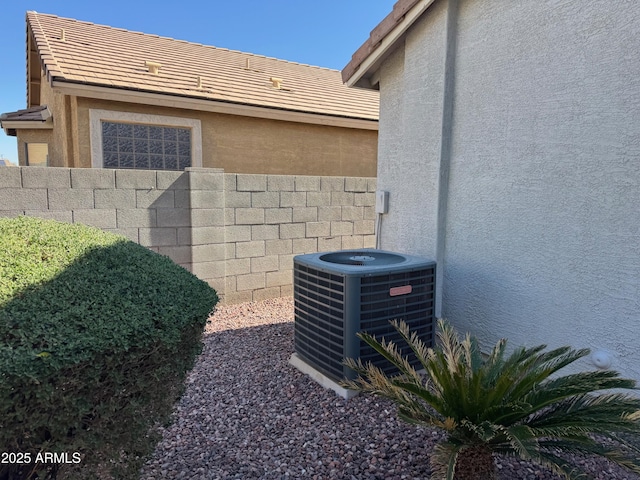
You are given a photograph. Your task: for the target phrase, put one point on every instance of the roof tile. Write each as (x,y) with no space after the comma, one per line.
(400,8)
(40,114)
(113,57)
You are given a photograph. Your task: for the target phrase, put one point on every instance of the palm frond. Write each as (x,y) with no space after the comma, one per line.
(450,347)
(523,440)
(630,450)
(416,414)
(586,447)
(371,379)
(530,367)
(390,351)
(444,459)
(495,360)
(485,431)
(406,392)
(420,350)
(424,393)
(554,390)
(514,405)
(610,412)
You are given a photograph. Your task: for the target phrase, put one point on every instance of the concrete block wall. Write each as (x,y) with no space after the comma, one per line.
(238,232)
(271,218)
(152,208)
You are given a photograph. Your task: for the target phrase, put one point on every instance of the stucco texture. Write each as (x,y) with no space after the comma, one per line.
(32,136)
(252,145)
(540,241)
(410,136)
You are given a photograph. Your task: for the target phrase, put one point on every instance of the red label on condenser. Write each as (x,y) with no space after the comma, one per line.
(395,291)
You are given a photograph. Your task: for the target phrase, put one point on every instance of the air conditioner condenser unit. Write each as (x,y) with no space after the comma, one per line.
(338,294)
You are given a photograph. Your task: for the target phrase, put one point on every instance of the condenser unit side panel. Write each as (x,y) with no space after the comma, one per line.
(319,299)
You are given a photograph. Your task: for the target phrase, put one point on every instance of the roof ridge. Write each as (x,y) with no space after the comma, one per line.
(184,41)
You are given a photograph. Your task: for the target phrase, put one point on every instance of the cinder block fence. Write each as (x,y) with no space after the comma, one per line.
(238,232)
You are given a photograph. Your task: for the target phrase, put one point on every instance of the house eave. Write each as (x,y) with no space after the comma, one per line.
(363,73)
(11,122)
(207,105)
(26,125)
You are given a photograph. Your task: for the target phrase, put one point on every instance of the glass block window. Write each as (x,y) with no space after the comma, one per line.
(147,147)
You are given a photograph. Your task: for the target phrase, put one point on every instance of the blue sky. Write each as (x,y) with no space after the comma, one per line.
(317,32)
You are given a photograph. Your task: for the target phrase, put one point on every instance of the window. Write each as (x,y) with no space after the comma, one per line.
(126,145)
(144,141)
(37,154)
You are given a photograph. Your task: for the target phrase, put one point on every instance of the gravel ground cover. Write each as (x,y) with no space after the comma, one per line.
(248,414)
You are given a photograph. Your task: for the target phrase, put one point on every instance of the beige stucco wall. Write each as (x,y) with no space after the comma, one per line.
(63,137)
(237,144)
(34,136)
(251,145)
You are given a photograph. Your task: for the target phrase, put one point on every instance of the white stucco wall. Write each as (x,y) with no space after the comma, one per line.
(542,227)
(409,145)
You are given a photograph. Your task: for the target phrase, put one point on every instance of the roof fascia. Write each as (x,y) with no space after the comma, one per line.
(28,61)
(215,106)
(364,76)
(25,125)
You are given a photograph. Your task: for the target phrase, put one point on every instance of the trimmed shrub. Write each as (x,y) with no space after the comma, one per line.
(98,334)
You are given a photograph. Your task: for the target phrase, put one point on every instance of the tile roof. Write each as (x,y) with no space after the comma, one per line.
(34,114)
(378,34)
(34,117)
(80,52)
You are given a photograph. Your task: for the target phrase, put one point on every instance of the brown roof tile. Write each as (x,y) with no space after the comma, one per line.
(400,8)
(34,114)
(105,56)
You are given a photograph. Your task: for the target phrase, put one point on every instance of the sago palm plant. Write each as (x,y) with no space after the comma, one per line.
(512,405)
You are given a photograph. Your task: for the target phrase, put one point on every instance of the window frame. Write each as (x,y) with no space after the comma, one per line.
(26,154)
(96,117)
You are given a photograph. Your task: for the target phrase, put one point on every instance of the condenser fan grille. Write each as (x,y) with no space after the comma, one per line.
(370,259)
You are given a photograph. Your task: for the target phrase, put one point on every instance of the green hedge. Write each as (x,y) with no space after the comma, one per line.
(98,334)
